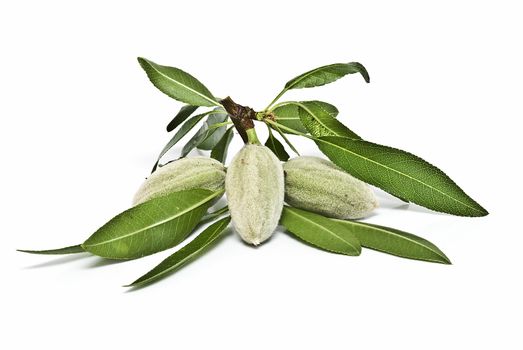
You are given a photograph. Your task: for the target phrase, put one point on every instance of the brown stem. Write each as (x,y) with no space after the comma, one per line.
(241,116)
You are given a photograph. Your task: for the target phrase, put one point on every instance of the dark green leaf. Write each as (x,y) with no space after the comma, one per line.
(189,252)
(276,147)
(178,84)
(319,122)
(214,135)
(288,113)
(399,173)
(219,152)
(152,226)
(184,113)
(320,231)
(66,250)
(395,242)
(326,74)
(186,127)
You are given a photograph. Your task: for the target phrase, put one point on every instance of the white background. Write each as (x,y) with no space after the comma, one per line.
(81,126)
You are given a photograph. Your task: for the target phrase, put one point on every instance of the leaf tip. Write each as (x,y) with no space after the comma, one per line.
(484,211)
(143,62)
(444,260)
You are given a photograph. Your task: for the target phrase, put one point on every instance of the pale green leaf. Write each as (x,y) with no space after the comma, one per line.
(213,135)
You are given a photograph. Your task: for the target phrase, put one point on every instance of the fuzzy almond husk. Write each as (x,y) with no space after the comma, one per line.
(254,186)
(317,185)
(180,175)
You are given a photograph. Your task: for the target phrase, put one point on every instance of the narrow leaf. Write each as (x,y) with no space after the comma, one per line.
(66,250)
(198,137)
(214,135)
(401,174)
(276,147)
(219,152)
(152,226)
(320,231)
(178,84)
(287,141)
(326,74)
(182,115)
(288,114)
(189,252)
(186,127)
(395,242)
(319,122)
(215,214)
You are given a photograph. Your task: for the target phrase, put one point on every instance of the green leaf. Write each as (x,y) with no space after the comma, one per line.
(182,115)
(214,135)
(198,137)
(321,76)
(219,152)
(320,231)
(215,214)
(276,147)
(186,254)
(178,84)
(288,113)
(66,250)
(395,242)
(287,141)
(152,226)
(399,173)
(319,122)
(186,127)
(326,74)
